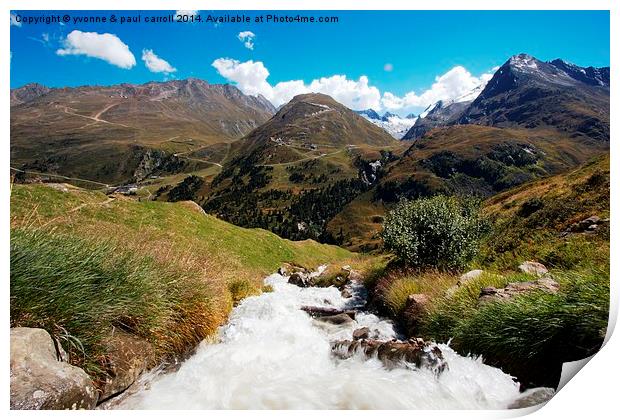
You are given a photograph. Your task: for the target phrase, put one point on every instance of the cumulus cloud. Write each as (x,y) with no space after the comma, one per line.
(247,37)
(107,47)
(449,86)
(388,67)
(14,21)
(356,94)
(155,63)
(251,78)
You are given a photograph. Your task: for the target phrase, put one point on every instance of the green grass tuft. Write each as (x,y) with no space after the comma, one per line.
(532,334)
(82,290)
(241,288)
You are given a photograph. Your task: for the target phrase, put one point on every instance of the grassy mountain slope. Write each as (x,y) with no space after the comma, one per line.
(295,172)
(104,133)
(84,264)
(534,221)
(463,160)
(531,335)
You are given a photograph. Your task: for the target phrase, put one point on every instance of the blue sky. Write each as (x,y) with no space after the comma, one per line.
(398,52)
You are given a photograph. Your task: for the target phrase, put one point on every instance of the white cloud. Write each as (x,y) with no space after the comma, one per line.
(251,78)
(454,83)
(247,37)
(187,12)
(155,63)
(107,47)
(14,21)
(388,67)
(354,94)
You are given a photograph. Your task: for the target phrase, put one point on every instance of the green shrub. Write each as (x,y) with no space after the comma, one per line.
(441,232)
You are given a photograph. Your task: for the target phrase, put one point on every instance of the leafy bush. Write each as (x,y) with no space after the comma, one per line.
(441,232)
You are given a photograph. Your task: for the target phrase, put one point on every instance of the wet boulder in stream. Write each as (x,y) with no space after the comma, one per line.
(414,353)
(317,311)
(339,319)
(300,279)
(361,333)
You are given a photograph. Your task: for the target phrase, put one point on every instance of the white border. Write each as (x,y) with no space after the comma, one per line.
(591,395)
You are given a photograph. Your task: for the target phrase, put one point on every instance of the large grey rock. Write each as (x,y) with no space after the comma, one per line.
(534,268)
(361,333)
(470,275)
(533,397)
(39,381)
(300,279)
(286,269)
(545,284)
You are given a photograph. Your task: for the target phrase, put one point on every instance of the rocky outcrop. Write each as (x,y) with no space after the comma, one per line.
(127,357)
(589,225)
(287,269)
(412,353)
(299,276)
(338,278)
(40,381)
(415,309)
(470,275)
(490,294)
(534,268)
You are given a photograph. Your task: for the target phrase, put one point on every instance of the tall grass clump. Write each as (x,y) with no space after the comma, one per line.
(239,289)
(80,290)
(439,232)
(393,290)
(532,334)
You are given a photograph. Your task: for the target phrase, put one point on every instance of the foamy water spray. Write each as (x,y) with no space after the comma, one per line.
(272,355)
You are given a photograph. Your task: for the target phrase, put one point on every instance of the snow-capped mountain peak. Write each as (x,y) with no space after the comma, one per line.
(395,125)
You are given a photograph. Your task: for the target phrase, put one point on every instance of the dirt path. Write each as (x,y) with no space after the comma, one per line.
(95,118)
(81,206)
(323,155)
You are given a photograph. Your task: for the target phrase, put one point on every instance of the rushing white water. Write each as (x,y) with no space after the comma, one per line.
(272,355)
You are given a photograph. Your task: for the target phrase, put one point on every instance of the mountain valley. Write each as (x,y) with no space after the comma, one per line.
(313,168)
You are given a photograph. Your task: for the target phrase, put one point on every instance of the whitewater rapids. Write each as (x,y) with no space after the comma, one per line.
(272,355)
